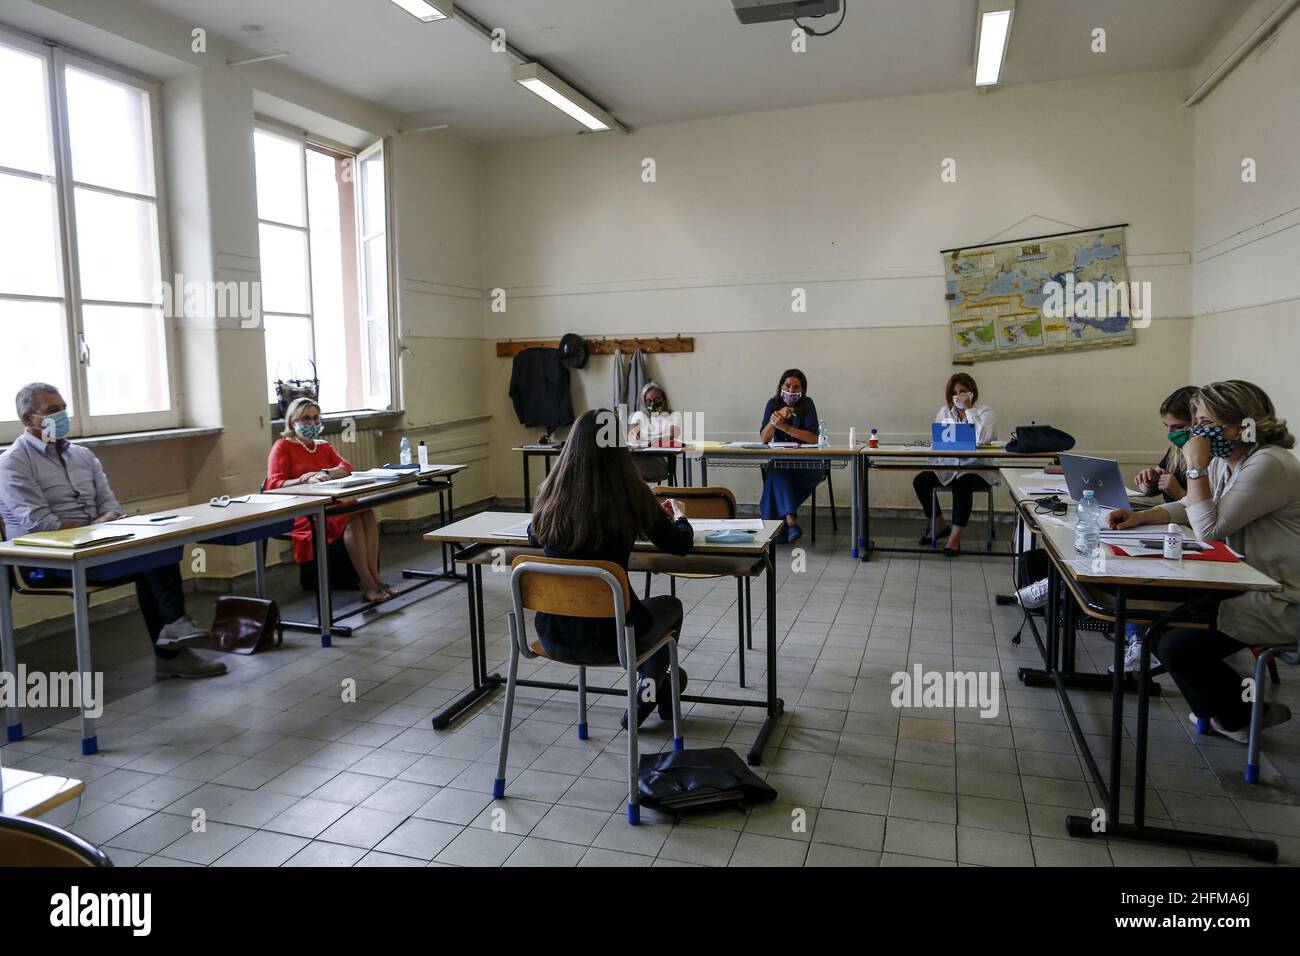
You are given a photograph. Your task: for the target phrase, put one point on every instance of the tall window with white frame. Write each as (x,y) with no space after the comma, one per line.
(82,249)
(324,261)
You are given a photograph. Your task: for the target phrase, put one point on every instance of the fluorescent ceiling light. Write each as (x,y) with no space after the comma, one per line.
(426,11)
(537,79)
(992,33)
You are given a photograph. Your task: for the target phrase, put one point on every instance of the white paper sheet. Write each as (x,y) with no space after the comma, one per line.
(518,530)
(727,524)
(154,521)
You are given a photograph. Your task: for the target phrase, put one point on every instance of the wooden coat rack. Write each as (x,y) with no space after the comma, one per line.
(604,346)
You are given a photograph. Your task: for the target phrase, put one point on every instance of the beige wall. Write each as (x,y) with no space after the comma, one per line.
(844,201)
(1247,275)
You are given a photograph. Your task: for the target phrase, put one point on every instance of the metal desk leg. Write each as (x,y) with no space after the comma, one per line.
(81,629)
(775,706)
(479,686)
(259,566)
(853,506)
(1117,705)
(866,545)
(686,470)
(8,660)
(324,612)
(528,485)
(704,472)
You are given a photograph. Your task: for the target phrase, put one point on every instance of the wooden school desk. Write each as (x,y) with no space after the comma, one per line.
(343,499)
(25,793)
(477,545)
(204,524)
(1120,590)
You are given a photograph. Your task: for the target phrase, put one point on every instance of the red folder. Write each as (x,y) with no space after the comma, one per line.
(1213,551)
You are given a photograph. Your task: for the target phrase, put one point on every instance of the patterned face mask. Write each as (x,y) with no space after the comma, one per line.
(309,432)
(790,397)
(1220,447)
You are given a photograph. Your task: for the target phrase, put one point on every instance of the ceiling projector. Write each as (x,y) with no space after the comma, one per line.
(770,11)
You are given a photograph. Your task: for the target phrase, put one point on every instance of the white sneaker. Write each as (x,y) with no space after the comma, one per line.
(1273,715)
(1033,595)
(1133,659)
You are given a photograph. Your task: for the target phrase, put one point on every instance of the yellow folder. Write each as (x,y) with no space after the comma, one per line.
(72,538)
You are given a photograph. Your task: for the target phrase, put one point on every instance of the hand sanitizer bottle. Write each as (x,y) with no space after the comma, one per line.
(422,455)
(1173,543)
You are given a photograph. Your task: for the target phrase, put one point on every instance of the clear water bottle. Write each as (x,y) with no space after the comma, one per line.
(1087,530)
(823,435)
(405,454)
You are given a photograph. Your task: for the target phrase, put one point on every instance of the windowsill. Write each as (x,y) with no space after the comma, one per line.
(131,438)
(368,417)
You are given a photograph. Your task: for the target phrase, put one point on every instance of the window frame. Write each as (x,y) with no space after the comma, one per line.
(305,140)
(85,422)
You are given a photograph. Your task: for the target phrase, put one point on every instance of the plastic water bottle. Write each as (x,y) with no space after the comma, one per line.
(405,455)
(1087,530)
(823,435)
(1173,543)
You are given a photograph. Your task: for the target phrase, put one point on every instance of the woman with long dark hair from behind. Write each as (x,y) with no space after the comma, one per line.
(593,506)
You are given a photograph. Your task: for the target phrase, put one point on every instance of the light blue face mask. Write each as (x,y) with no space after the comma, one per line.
(55,426)
(309,432)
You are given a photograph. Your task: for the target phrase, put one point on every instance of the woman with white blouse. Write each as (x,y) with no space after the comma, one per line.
(961,404)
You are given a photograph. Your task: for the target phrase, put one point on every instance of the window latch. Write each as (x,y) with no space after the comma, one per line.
(83,349)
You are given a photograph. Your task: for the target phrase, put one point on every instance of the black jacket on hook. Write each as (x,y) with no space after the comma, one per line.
(539,389)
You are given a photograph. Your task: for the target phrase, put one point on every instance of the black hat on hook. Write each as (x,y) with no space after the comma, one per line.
(573,350)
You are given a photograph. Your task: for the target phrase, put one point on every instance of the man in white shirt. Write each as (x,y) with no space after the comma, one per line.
(48,484)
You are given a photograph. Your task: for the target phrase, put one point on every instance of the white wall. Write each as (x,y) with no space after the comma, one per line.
(846,202)
(1247,235)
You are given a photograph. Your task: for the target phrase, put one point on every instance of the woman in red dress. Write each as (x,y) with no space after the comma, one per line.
(299,457)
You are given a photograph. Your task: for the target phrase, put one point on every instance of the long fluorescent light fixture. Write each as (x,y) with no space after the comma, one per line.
(992,34)
(537,79)
(426,11)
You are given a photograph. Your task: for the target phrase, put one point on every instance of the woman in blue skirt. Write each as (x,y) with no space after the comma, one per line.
(790,416)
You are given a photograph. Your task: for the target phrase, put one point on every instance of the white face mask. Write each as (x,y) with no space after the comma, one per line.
(959,400)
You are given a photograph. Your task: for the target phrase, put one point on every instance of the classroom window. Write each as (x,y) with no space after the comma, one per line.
(324,251)
(81,245)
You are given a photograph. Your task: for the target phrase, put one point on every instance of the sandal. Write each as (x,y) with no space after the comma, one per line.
(925,540)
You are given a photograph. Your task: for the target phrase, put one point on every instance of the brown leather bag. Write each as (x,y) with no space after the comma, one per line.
(244,625)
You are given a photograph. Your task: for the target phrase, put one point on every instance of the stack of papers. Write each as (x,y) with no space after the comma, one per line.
(745,444)
(69,539)
(379,474)
(518,530)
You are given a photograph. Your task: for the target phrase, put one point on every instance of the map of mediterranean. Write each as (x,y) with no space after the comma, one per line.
(997,296)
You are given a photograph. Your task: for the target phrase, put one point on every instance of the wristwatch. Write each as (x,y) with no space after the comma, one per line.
(1195,473)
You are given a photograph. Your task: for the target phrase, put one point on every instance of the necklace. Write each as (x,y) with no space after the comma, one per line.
(312,449)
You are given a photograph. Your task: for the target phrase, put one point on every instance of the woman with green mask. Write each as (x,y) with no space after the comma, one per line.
(1168,478)
(1243,487)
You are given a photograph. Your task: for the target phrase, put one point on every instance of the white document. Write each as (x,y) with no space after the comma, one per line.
(435,468)
(518,530)
(786,444)
(745,444)
(1046,490)
(727,524)
(380,473)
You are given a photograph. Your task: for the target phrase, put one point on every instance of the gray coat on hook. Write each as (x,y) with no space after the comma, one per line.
(636,379)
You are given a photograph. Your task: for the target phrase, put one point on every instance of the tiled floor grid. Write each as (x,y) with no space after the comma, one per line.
(281,771)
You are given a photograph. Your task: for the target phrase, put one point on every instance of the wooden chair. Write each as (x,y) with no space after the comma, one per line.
(712,502)
(25,842)
(594,589)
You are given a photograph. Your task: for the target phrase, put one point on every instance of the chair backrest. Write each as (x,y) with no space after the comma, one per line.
(708,502)
(568,586)
(25,842)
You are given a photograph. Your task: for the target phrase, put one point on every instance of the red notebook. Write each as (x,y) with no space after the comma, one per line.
(1213,551)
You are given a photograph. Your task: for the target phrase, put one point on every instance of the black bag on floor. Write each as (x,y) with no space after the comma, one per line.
(686,780)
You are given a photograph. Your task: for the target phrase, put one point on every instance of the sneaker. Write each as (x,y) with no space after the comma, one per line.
(1033,595)
(183,632)
(1133,660)
(1273,715)
(187,664)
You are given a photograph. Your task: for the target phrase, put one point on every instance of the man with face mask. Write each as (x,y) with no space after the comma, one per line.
(47,483)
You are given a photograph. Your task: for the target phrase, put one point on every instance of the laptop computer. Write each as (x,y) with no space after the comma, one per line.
(952,436)
(1100,475)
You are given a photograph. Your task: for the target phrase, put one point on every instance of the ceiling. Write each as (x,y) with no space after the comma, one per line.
(658,61)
